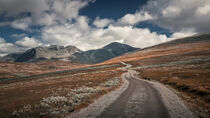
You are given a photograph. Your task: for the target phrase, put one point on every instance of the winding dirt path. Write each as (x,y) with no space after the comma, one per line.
(136,98)
(140,100)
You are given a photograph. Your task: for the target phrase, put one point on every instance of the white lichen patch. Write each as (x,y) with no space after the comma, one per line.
(55,106)
(110,83)
(20,112)
(60,106)
(85,89)
(54,100)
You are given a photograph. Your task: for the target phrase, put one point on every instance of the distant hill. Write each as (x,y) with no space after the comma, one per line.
(70,53)
(178,46)
(107,52)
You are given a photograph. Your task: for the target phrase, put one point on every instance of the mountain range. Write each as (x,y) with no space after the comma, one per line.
(71,53)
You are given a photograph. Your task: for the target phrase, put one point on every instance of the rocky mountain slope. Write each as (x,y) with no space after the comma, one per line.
(42,53)
(107,52)
(70,53)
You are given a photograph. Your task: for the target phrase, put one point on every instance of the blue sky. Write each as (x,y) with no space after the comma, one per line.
(90,24)
(112,8)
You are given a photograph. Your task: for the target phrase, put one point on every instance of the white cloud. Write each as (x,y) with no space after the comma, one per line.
(82,23)
(42,12)
(100,23)
(6,48)
(203,10)
(19,46)
(68,9)
(44,19)
(133,36)
(21,23)
(16,7)
(132,19)
(67,34)
(27,42)
(70,34)
(178,35)
(179,15)
(171,11)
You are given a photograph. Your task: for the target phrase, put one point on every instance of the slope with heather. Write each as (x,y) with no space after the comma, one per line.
(183,64)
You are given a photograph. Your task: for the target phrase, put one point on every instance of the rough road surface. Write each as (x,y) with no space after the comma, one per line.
(138,99)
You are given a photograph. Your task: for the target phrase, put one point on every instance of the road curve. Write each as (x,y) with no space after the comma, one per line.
(136,98)
(139,100)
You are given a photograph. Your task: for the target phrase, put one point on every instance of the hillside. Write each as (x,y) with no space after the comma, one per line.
(105,53)
(183,64)
(179,46)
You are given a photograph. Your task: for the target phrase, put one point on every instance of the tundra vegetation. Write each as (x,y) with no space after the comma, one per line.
(183,65)
(57,95)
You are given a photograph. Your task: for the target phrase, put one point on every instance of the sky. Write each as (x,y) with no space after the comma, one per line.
(92,24)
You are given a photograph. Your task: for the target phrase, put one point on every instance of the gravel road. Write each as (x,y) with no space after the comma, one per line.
(140,100)
(136,98)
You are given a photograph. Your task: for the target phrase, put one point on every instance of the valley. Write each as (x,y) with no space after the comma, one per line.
(57,88)
(104,58)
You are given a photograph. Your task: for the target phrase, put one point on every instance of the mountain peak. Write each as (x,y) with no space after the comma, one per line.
(44,52)
(115,45)
(105,53)
(71,52)
(56,47)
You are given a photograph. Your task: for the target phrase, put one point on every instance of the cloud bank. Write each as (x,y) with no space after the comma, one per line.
(61,23)
(181,15)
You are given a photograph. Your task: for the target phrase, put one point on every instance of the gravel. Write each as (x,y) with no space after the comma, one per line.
(174,105)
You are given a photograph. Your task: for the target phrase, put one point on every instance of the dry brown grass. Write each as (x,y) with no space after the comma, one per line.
(165,50)
(15,95)
(11,69)
(192,80)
